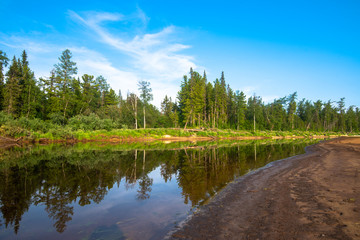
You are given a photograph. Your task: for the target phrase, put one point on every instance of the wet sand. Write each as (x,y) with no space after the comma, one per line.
(311,196)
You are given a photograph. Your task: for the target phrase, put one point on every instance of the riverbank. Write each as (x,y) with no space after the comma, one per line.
(15,136)
(311,196)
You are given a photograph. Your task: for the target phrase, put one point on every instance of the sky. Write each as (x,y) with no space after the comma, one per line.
(267,48)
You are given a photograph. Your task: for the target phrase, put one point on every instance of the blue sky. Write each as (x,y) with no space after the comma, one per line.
(271,48)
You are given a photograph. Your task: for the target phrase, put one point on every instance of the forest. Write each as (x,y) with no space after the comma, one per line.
(67,101)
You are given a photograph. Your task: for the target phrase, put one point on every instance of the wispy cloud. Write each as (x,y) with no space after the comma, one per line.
(250,91)
(92,62)
(152,56)
(155,55)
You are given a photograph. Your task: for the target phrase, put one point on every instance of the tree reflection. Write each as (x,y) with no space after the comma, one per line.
(60,176)
(144,188)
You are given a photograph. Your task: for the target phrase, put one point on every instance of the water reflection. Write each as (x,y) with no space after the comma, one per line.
(64,179)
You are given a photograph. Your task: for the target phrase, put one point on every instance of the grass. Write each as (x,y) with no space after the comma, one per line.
(158,133)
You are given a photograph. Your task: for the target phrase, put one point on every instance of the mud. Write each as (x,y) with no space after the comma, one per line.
(311,196)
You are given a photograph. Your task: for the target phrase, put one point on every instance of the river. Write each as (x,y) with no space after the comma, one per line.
(120,191)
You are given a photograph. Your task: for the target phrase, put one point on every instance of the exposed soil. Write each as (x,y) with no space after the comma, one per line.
(311,196)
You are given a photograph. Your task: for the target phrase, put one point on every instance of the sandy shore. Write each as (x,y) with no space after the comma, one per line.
(311,196)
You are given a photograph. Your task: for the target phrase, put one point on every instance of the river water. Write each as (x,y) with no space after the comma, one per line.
(127,191)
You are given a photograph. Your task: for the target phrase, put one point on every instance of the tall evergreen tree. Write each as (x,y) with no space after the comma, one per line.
(89,93)
(3,63)
(12,88)
(29,89)
(101,82)
(292,108)
(145,95)
(341,109)
(240,103)
(65,69)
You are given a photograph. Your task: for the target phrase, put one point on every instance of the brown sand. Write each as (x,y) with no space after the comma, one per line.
(311,196)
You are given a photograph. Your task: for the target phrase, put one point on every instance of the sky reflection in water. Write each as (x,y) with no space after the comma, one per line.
(87,191)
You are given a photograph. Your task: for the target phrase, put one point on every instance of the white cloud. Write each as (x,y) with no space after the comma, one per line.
(153,55)
(249,90)
(269,98)
(91,62)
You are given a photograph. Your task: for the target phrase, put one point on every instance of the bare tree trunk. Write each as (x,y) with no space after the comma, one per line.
(199,120)
(135,165)
(143,168)
(144,116)
(135,113)
(187,119)
(67,102)
(102,98)
(268,120)
(254,121)
(134,106)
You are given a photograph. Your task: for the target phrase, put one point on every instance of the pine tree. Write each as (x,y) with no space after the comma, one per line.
(3,63)
(351,119)
(231,108)
(12,88)
(209,101)
(103,88)
(65,69)
(28,85)
(222,101)
(327,115)
(133,99)
(292,108)
(240,103)
(145,95)
(89,93)
(185,106)
(341,110)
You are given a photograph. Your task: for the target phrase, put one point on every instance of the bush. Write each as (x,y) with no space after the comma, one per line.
(14,131)
(34,124)
(58,118)
(61,133)
(90,123)
(5,118)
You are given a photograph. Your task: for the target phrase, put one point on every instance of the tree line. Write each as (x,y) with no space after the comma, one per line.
(63,96)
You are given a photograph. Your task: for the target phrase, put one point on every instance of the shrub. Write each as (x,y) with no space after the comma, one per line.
(5,118)
(90,123)
(34,124)
(58,118)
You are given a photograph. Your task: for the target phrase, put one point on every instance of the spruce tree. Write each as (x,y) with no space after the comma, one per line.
(65,69)
(3,63)
(12,88)
(145,96)
(341,110)
(240,105)
(28,87)
(292,109)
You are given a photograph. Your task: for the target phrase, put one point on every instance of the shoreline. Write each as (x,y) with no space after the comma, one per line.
(308,196)
(6,141)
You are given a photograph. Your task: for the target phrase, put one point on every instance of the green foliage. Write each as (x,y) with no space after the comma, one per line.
(57,118)
(88,103)
(36,125)
(88,123)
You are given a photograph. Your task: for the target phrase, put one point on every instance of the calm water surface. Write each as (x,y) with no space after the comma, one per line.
(128,191)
